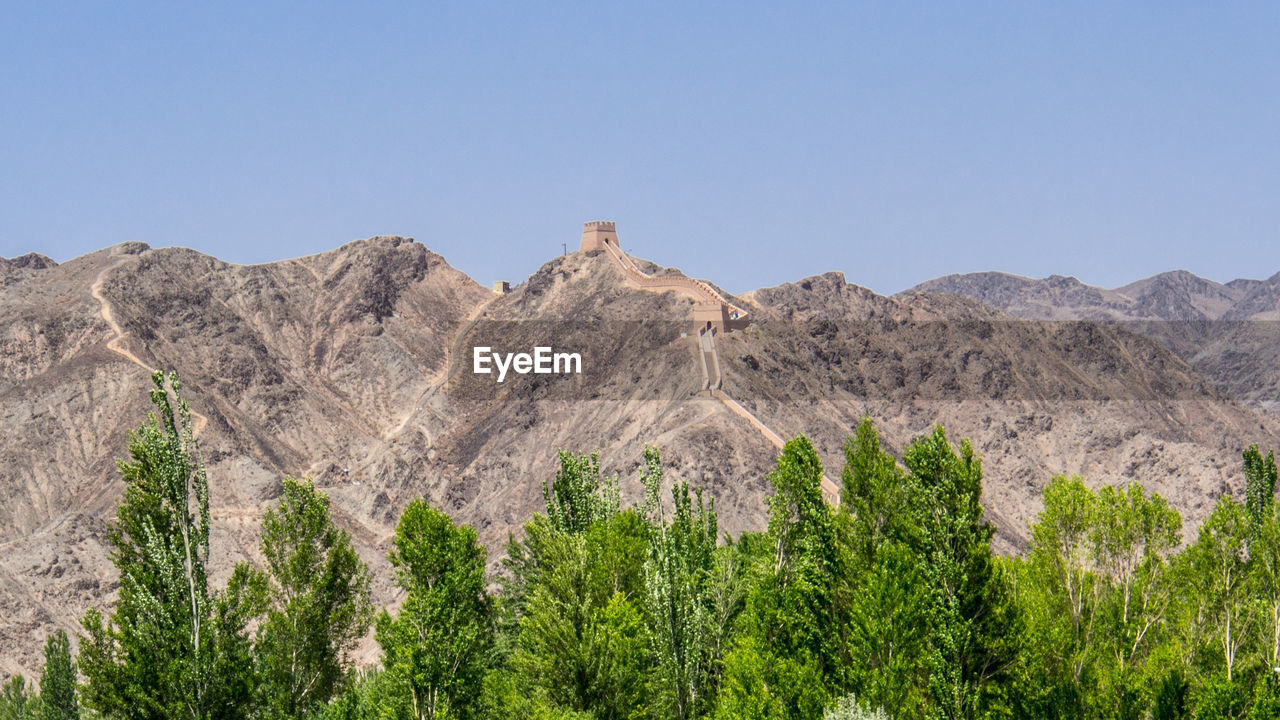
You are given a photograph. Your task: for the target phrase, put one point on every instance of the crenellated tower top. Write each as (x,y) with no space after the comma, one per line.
(596,234)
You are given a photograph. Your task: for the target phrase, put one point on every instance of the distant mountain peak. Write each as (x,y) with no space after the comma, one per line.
(1224,330)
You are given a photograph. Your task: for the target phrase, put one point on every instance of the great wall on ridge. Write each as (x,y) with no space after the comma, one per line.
(713,314)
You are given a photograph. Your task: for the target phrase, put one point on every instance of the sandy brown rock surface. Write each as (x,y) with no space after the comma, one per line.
(354,367)
(1228,332)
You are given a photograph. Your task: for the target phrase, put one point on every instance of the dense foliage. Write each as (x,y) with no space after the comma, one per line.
(890,604)
(171,648)
(58,699)
(319,604)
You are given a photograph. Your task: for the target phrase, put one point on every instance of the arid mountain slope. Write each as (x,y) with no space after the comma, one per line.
(1037,398)
(288,366)
(1174,296)
(1230,333)
(355,367)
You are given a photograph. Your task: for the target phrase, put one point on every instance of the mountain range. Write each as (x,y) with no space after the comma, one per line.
(354,367)
(1229,332)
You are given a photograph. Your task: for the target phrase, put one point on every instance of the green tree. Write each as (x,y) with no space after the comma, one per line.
(436,649)
(787,656)
(1220,698)
(578,496)
(1063,553)
(572,645)
(759,684)
(319,603)
(1133,536)
(1259,483)
(575,499)
(886,630)
(847,707)
(1218,563)
(1169,700)
(1042,684)
(1095,594)
(1264,550)
(680,583)
(876,493)
(972,622)
(618,657)
(170,648)
(17,702)
(357,699)
(509,694)
(801,593)
(58,680)
(1265,582)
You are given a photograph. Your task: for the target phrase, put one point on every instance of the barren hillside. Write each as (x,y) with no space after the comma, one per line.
(1229,332)
(354,367)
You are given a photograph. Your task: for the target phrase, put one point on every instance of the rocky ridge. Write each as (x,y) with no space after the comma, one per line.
(1229,332)
(353,367)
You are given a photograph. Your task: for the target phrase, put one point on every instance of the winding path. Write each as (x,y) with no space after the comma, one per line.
(8,578)
(116,343)
(710,357)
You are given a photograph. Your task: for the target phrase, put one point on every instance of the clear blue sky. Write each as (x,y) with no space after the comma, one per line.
(748,143)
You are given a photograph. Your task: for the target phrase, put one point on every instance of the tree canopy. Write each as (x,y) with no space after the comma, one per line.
(892,604)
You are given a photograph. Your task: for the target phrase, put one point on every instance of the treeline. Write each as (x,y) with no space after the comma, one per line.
(891,605)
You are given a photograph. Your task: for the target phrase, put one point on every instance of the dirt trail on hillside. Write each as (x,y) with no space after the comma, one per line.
(116,344)
(700,291)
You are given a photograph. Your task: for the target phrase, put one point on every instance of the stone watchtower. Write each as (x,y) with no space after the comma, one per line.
(595,235)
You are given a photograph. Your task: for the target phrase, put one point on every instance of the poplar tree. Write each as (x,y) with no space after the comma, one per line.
(786,658)
(875,493)
(171,648)
(578,496)
(573,643)
(58,681)
(971,617)
(1265,555)
(436,649)
(886,627)
(678,580)
(1264,549)
(1135,533)
(17,702)
(1067,590)
(1259,483)
(1219,562)
(320,608)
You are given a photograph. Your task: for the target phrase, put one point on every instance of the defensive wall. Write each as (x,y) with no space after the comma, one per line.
(712,315)
(710,308)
